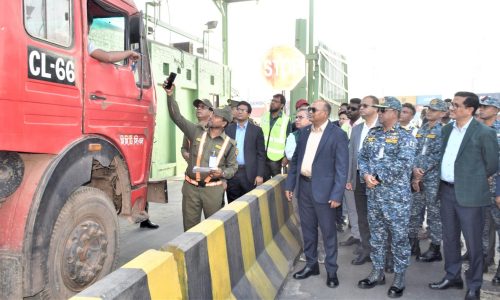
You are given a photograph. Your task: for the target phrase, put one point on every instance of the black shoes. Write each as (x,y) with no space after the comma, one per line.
(376,277)
(149,224)
(496,279)
(433,254)
(415,247)
(332,281)
(350,241)
(446,284)
(361,259)
(473,295)
(397,287)
(308,271)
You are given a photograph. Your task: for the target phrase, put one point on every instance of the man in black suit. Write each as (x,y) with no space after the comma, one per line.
(319,171)
(251,156)
(469,156)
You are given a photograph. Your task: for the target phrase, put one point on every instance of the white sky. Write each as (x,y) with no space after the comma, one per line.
(393,47)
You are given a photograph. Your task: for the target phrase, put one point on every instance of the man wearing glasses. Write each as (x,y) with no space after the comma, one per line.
(469,156)
(317,174)
(355,182)
(384,161)
(353,114)
(251,156)
(204,110)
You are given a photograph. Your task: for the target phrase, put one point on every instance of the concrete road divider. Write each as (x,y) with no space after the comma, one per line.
(151,275)
(245,250)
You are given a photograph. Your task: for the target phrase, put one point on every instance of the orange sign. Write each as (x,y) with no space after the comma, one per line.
(283,67)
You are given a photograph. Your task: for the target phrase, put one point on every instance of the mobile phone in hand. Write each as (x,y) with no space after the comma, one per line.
(170,80)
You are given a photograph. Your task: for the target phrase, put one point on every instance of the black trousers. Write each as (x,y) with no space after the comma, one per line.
(238,185)
(273,168)
(470,221)
(362,210)
(313,214)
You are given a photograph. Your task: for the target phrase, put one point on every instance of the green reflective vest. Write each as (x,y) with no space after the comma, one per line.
(275,140)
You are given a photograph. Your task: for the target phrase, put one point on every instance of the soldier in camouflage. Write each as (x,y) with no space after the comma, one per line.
(387,152)
(425,182)
(488,110)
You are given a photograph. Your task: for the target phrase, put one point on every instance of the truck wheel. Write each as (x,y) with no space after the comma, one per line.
(84,243)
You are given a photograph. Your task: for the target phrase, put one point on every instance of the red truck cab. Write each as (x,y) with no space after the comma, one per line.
(75,142)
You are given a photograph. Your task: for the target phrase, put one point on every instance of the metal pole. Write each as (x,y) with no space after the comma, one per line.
(310,56)
(225,42)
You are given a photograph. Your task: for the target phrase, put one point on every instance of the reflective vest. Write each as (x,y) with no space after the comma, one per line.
(276,139)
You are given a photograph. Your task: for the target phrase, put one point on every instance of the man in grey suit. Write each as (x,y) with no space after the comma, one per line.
(319,170)
(469,157)
(358,134)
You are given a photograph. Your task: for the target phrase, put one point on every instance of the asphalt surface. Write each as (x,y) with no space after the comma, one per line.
(135,240)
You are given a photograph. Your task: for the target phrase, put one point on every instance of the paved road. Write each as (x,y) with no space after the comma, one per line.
(135,240)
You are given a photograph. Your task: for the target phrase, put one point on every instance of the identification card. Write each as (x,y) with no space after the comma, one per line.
(212,161)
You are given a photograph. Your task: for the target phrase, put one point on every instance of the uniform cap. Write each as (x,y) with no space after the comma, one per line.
(438,104)
(490,101)
(390,102)
(224,113)
(206,102)
(233,103)
(300,103)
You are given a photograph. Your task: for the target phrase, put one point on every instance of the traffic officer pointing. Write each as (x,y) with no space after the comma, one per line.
(212,159)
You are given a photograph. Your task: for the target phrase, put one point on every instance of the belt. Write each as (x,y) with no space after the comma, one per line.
(306,178)
(202,183)
(452,185)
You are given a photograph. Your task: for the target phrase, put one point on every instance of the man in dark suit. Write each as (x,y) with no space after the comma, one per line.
(319,171)
(469,157)
(354,182)
(251,156)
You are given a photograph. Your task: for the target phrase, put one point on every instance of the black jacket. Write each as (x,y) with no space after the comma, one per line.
(255,153)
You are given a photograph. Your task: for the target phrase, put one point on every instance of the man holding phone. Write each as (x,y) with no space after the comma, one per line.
(212,159)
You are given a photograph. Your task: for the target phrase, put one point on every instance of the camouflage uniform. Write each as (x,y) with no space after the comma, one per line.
(492,213)
(427,158)
(388,154)
(495,211)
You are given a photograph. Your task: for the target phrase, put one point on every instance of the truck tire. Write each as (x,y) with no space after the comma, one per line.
(84,243)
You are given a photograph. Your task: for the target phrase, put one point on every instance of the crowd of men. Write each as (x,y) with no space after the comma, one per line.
(386,173)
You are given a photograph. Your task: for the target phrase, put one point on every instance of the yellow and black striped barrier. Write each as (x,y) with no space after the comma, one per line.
(151,275)
(243,251)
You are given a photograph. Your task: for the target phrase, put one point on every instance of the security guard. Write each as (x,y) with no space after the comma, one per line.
(425,182)
(212,159)
(276,127)
(387,152)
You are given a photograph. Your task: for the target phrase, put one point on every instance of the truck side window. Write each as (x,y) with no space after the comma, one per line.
(49,20)
(108,34)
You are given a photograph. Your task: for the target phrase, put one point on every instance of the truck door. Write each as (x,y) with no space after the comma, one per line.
(43,72)
(118,101)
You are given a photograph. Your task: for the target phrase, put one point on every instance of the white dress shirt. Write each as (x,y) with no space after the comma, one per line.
(311,148)
(451,152)
(364,132)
